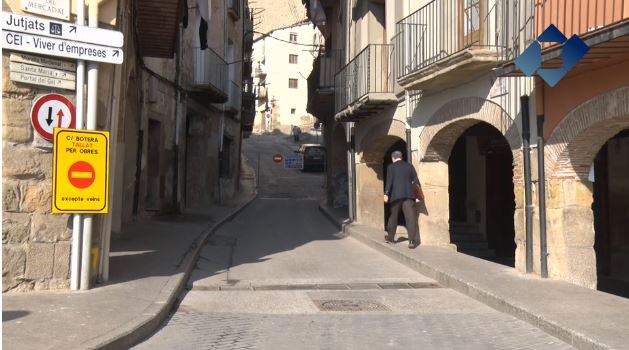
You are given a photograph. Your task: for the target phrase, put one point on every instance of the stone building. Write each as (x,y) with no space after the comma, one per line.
(173,110)
(437,81)
(283,59)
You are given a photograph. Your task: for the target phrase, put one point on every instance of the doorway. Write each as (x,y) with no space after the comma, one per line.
(481,196)
(610,208)
(154,183)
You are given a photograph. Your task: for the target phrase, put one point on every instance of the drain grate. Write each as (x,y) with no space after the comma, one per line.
(345,305)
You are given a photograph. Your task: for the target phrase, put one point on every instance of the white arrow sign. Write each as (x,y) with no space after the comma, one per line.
(60,48)
(61,30)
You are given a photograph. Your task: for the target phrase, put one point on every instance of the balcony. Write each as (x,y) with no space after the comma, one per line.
(235,96)
(446,43)
(321,83)
(365,85)
(233,8)
(209,76)
(602,24)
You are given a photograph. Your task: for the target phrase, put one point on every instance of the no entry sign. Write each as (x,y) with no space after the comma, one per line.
(52,111)
(277,158)
(81,174)
(80,178)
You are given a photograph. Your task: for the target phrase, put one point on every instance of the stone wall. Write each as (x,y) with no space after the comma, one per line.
(35,243)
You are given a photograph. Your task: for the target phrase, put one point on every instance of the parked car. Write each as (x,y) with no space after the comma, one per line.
(314,156)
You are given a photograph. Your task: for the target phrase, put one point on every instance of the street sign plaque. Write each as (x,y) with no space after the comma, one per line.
(60,48)
(80,182)
(61,30)
(51,8)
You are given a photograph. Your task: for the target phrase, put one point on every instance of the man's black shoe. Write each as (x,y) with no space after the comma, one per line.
(387,239)
(412,245)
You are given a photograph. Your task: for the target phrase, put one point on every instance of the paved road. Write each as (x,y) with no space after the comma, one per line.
(280,276)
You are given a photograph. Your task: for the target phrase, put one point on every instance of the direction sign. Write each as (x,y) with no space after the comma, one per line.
(61,48)
(277,158)
(52,111)
(41,80)
(61,30)
(80,180)
(42,61)
(294,162)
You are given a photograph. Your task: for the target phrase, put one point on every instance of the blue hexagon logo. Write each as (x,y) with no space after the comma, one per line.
(572,51)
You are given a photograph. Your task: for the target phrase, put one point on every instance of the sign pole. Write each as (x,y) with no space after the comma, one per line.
(76,220)
(92,104)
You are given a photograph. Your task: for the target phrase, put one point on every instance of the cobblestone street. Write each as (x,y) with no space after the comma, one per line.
(418,319)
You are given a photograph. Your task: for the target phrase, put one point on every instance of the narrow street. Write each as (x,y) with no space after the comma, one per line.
(281,276)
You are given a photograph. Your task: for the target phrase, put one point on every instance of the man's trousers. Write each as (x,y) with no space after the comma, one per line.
(410,216)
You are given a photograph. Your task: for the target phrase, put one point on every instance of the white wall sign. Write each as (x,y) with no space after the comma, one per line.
(61,30)
(43,81)
(51,8)
(60,48)
(42,71)
(42,61)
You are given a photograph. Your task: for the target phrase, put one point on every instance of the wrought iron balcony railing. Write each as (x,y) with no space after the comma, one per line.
(525,20)
(209,70)
(369,72)
(328,64)
(443,28)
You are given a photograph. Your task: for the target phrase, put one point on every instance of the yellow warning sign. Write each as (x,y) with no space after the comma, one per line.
(80,173)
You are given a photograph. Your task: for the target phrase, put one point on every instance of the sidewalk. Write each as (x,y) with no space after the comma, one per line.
(148,270)
(585,318)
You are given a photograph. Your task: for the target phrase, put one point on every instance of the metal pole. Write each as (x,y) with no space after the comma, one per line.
(92,104)
(75,260)
(542,196)
(526,149)
(409,154)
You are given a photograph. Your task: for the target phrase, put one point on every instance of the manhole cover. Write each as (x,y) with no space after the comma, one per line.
(349,305)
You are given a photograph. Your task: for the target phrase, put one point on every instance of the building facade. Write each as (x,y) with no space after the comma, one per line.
(174,112)
(437,80)
(283,59)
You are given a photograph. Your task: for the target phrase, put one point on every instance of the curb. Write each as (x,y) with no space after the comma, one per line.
(471,290)
(141,327)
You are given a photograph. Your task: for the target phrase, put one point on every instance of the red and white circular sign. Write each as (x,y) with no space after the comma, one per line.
(278,158)
(81,174)
(52,111)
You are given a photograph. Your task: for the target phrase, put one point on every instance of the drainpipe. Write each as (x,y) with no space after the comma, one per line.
(542,196)
(351,171)
(409,154)
(75,261)
(92,105)
(177,114)
(526,150)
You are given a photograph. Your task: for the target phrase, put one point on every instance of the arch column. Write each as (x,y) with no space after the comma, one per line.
(571,149)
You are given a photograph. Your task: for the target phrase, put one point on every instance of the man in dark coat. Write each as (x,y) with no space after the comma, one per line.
(399,192)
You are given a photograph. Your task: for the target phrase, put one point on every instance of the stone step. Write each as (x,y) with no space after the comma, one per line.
(479,253)
(473,245)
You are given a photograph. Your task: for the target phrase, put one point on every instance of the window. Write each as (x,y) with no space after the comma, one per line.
(292,59)
(293,37)
(292,111)
(292,83)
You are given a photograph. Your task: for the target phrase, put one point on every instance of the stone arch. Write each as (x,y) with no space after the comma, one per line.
(379,138)
(570,151)
(372,148)
(579,136)
(456,116)
(436,142)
